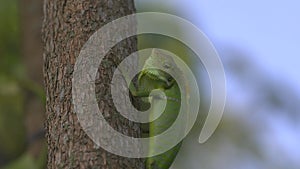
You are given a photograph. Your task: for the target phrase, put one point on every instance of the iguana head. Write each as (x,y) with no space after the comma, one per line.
(161,60)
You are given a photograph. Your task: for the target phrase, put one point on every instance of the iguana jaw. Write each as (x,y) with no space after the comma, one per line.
(159,75)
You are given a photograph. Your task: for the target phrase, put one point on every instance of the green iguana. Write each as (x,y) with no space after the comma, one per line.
(150,79)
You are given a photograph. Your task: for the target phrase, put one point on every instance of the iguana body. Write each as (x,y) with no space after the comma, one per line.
(154,79)
(164,161)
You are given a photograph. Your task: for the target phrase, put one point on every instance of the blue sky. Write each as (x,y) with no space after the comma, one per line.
(270,30)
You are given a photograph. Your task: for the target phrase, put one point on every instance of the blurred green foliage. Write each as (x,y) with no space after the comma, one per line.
(10,39)
(12,130)
(13,84)
(26,161)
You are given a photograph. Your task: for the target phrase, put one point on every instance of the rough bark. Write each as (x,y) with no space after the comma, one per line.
(67,26)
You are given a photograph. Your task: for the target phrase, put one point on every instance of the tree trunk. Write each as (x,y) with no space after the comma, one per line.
(67,26)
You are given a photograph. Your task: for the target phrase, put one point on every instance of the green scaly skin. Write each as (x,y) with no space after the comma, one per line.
(154,79)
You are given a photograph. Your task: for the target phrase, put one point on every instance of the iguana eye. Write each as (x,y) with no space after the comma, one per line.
(170,79)
(166,65)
